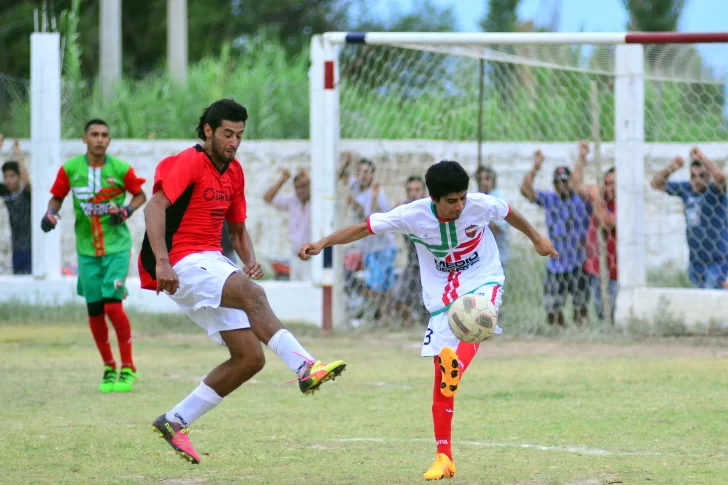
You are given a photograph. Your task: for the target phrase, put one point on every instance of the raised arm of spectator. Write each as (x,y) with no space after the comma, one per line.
(717,173)
(577,176)
(527,189)
(273,190)
(658,181)
(604,218)
(377,202)
(344,170)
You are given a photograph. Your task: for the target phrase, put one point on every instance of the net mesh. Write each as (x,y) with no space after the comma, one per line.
(410,106)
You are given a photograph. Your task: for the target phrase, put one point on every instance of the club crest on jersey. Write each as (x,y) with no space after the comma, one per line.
(471,231)
(110,180)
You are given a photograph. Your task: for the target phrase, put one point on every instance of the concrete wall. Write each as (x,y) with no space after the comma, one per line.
(291,301)
(396,160)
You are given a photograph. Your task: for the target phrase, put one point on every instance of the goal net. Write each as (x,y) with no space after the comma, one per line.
(403,104)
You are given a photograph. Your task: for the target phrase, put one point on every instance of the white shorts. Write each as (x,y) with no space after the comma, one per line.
(202,277)
(438,334)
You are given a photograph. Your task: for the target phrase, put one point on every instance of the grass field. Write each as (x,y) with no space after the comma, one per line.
(530,411)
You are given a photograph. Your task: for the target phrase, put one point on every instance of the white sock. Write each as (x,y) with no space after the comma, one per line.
(191,408)
(287,348)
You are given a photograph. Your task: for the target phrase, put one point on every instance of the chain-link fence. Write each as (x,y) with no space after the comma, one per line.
(534,98)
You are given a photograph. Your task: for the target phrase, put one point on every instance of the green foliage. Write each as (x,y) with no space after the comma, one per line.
(430,97)
(653,15)
(502,16)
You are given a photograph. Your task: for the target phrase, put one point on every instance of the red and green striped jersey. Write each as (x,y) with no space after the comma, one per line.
(95,190)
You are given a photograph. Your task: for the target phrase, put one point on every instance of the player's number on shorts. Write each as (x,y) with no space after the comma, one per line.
(428,336)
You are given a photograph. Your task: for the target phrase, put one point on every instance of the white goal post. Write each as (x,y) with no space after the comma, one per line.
(624,68)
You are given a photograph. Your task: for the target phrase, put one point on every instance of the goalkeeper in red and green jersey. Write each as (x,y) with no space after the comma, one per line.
(99,183)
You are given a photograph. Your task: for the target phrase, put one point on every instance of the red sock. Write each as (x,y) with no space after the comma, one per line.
(101,335)
(442,411)
(121,324)
(466,352)
(443,407)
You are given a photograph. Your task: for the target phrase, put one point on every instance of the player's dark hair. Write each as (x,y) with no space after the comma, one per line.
(95,121)
(415,178)
(446,177)
(223,109)
(696,163)
(609,172)
(11,166)
(489,170)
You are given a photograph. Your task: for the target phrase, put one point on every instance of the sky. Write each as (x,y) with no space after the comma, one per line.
(576,15)
(588,16)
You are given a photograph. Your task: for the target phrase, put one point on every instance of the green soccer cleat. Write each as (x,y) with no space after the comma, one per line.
(313,374)
(127,379)
(109,379)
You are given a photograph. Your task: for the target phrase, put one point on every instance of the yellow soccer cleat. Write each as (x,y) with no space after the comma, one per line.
(450,368)
(442,468)
(313,374)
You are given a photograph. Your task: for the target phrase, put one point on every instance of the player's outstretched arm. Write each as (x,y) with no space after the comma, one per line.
(541,243)
(156,225)
(343,236)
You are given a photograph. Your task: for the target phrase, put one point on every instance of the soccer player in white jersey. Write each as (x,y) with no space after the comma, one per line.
(458,256)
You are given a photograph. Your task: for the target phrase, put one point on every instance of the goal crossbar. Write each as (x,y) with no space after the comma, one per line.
(491,38)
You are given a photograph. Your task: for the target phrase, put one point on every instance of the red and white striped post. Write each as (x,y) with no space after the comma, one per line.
(324,129)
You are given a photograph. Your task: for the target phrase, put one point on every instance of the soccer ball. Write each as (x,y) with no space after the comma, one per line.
(472,318)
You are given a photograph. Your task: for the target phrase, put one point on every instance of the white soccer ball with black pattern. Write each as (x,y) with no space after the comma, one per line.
(472,318)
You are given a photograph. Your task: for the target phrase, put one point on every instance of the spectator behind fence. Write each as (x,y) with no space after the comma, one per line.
(407,291)
(15,191)
(567,219)
(603,200)
(705,217)
(487,180)
(365,198)
(298,206)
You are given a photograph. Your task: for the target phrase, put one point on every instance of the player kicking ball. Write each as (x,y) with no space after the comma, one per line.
(181,255)
(458,256)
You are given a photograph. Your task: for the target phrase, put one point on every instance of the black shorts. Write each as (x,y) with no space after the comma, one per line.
(558,285)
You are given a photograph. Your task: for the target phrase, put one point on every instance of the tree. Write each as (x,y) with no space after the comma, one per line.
(502,16)
(653,15)
(211,24)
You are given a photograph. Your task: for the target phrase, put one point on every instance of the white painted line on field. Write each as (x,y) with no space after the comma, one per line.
(580,450)
(391,386)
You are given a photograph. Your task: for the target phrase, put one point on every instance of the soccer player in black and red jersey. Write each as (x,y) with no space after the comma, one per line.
(194,192)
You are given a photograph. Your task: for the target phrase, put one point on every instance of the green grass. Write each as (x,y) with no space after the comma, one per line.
(529,412)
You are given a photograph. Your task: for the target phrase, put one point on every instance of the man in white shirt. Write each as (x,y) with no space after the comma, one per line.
(298,207)
(458,256)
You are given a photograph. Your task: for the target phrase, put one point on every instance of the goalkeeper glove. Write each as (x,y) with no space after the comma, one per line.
(119,214)
(49,221)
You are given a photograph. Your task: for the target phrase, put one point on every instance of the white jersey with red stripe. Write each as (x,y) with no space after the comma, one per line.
(456,257)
